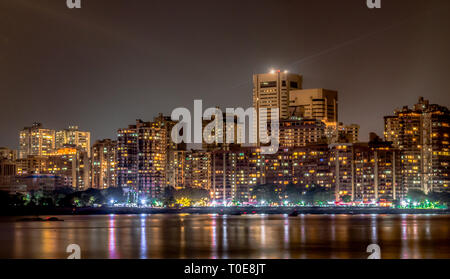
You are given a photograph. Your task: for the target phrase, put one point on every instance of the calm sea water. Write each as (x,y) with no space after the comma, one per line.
(215,236)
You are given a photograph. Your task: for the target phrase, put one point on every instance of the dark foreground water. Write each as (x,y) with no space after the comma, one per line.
(215,236)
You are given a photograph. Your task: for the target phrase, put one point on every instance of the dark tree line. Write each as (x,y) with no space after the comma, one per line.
(171,195)
(64,197)
(292,193)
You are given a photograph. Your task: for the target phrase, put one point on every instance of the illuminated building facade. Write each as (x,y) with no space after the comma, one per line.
(376,173)
(234,173)
(74,137)
(198,169)
(36,141)
(72,168)
(341,156)
(103,164)
(366,172)
(69,167)
(142,156)
(422,136)
(127,157)
(152,147)
(272,90)
(310,166)
(298,132)
(320,104)
(176,169)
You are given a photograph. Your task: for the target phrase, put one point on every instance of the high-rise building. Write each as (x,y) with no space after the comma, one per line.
(176,171)
(72,168)
(361,172)
(376,172)
(341,133)
(366,172)
(32,164)
(103,164)
(73,137)
(127,157)
(272,90)
(152,147)
(198,169)
(36,140)
(298,132)
(320,104)
(422,136)
(342,167)
(234,173)
(311,168)
(66,167)
(142,156)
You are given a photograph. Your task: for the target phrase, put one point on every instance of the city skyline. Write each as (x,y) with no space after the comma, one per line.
(145,160)
(68,77)
(209,131)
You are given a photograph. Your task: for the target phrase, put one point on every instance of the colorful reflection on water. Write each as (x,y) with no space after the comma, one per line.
(220,236)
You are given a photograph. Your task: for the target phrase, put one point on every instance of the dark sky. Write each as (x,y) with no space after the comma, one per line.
(113,61)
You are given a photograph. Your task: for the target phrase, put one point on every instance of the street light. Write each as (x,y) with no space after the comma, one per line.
(143,202)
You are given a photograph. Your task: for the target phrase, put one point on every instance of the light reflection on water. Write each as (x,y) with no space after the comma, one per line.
(143,246)
(221,236)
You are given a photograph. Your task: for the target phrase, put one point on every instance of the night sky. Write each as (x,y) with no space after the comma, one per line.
(113,61)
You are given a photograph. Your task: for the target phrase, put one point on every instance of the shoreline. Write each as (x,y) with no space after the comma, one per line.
(219,210)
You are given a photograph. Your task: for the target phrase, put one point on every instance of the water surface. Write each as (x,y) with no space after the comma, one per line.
(215,236)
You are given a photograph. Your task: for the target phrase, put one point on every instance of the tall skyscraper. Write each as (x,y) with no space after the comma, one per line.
(422,136)
(271,90)
(142,156)
(103,164)
(176,169)
(127,156)
(73,136)
(36,140)
(152,146)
